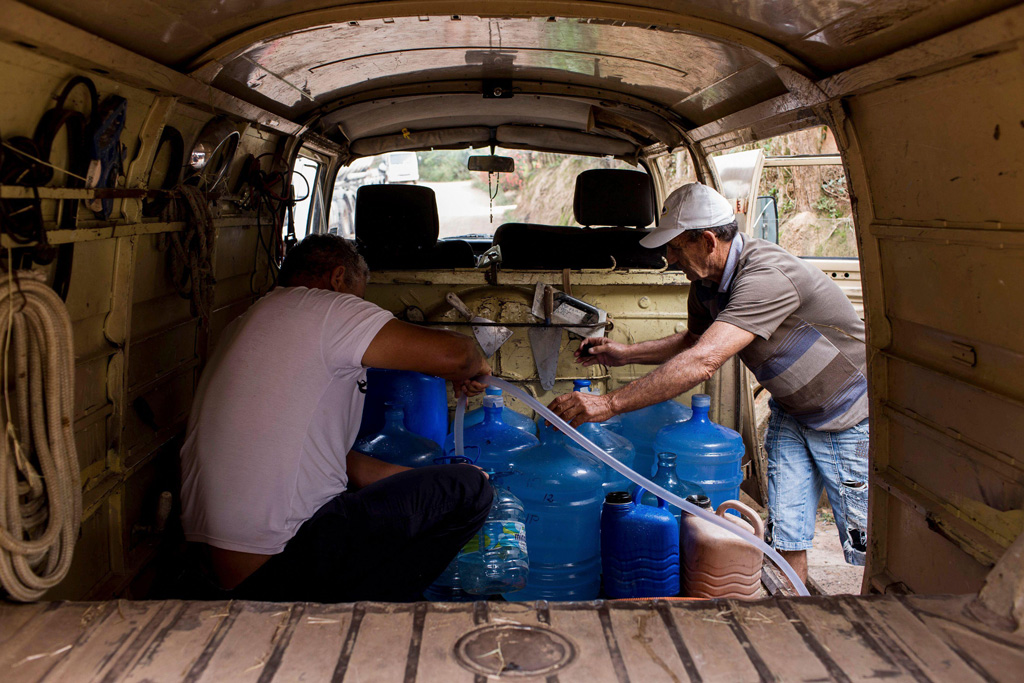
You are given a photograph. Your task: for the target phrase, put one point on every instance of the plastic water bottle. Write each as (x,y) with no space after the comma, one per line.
(496,560)
(508,416)
(615,445)
(639,548)
(448,586)
(708,454)
(397,445)
(667,478)
(562,494)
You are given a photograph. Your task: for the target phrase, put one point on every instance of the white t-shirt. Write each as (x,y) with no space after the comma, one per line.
(276,412)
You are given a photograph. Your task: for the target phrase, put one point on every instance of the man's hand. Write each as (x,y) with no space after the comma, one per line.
(470,386)
(579,407)
(602,350)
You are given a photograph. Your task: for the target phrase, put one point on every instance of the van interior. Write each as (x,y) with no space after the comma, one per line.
(159,158)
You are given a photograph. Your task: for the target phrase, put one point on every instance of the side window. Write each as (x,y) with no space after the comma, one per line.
(676,170)
(308,210)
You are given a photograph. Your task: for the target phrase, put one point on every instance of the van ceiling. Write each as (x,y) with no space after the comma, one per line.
(685,63)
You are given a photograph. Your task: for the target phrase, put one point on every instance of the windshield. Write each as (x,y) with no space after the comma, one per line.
(469,204)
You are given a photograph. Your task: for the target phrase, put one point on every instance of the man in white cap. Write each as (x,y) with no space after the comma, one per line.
(796,331)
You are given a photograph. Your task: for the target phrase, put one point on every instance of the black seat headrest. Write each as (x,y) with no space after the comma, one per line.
(396,217)
(619,197)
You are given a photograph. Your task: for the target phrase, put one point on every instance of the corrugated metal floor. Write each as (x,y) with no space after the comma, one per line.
(840,638)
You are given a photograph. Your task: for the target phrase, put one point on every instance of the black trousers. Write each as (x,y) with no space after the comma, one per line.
(388,541)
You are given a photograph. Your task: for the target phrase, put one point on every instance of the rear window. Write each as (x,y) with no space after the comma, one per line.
(539,191)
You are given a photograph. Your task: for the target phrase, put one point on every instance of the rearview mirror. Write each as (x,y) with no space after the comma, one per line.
(492,164)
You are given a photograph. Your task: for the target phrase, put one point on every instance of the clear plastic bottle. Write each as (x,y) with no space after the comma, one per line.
(615,445)
(448,586)
(396,444)
(668,478)
(496,560)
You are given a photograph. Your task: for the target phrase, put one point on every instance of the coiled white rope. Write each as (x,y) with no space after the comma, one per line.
(40,483)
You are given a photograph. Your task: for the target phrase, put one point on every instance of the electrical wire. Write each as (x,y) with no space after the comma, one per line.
(40,482)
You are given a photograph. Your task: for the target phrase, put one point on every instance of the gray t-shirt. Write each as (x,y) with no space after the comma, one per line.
(808,349)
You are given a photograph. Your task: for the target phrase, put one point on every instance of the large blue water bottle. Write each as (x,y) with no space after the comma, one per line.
(639,548)
(424,398)
(668,479)
(496,560)
(562,494)
(611,443)
(492,444)
(641,426)
(508,416)
(397,445)
(707,454)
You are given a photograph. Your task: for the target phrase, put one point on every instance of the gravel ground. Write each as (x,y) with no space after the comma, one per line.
(825,562)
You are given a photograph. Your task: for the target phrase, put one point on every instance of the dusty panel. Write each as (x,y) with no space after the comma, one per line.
(970,145)
(316,643)
(92,562)
(382,644)
(90,385)
(923,559)
(157,356)
(156,416)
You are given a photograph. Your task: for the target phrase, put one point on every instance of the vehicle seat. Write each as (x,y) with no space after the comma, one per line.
(397,228)
(609,197)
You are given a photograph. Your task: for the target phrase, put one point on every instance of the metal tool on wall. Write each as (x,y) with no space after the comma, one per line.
(546,341)
(489,336)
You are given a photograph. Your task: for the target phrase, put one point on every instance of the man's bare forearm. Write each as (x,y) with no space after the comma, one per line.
(670,379)
(657,351)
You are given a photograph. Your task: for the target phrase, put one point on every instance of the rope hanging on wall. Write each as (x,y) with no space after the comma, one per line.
(192,254)
(40,483)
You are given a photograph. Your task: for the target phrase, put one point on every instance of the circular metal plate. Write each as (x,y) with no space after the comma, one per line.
(514,650)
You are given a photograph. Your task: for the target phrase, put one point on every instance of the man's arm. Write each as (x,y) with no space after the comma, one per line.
(678,374)
(364,470)
(403,346)
(615,354)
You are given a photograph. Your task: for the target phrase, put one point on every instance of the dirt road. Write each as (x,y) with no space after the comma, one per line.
(462,209)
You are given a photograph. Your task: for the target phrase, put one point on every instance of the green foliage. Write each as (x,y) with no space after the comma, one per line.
(444,166)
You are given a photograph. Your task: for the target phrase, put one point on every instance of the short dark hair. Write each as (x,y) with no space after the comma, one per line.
(725,233)
(316,256)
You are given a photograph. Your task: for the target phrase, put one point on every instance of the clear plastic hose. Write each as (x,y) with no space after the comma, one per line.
(639,479)
(460,418)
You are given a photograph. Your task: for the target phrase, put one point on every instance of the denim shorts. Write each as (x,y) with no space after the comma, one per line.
(800,462)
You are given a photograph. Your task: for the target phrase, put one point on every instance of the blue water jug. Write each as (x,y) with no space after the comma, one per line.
(424,398)
(397,445)
(639,548)
(667,478)
(510,417)
(561,494)
(641,426)
(707,454)
(496,559)
(492,444)
(615,445)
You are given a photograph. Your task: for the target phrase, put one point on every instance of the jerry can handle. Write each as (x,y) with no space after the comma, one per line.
(639,492)
(745,512)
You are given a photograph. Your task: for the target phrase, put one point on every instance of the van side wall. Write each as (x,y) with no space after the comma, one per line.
(138,345)
(936,165)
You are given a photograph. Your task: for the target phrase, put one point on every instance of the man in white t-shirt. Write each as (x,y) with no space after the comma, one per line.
(270,484)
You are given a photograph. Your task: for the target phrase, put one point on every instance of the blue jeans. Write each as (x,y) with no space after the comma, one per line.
(800,462)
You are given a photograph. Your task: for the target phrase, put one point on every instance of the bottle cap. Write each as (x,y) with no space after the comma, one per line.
(618,498)
(666,455)
(492,391)
(581,385)
(494,401)
(699,500)
(700,401)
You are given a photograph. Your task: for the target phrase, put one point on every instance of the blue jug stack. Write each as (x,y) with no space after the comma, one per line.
(423,397)
(708,454)
(397,445)
(667,478)
(492,444)
(615,445)
(561,494)
(641,426)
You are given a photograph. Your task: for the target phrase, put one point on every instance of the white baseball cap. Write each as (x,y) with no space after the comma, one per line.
(691,207)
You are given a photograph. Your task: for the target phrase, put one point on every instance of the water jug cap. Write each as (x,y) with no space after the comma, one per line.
(580,384)
(700,401)
(491,401)
(667,455)
(492,391)
(700,501)
(618,498)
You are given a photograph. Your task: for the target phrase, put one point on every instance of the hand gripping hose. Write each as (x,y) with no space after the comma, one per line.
(40,484)
(643,481)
